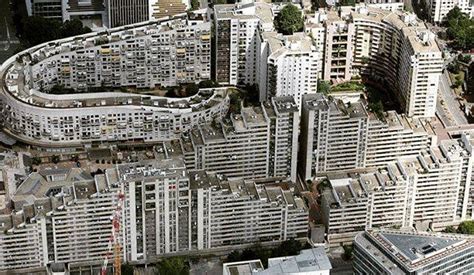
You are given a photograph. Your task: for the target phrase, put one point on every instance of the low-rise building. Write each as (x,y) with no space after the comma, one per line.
(398,252)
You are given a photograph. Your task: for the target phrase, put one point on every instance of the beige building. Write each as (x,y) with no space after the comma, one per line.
(393,48)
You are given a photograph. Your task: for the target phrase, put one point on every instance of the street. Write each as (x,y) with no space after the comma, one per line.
(451,107)
(8,40)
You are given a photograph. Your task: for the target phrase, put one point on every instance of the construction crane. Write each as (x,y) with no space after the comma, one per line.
(114,246)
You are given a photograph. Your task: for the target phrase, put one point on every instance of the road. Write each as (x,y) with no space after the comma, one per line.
(8,41)
(451,104)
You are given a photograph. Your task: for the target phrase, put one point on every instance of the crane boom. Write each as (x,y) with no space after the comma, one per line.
(114,246)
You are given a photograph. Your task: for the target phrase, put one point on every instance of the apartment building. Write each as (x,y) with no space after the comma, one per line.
(437,10)
(259,142)
(338,54)
(399,252)
(92,13)
(48,9)
(58,216)
(462,148)
(288,66)
(342,134)
(163,8)
(393,48)
(396,136)
(334,135)
(157,216)
(430,190)
(63,216)
(147,56)
(236,44)
(126,12)
(235,212)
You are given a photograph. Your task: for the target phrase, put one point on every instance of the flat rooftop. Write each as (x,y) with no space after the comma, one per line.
(403,252)
(309,260)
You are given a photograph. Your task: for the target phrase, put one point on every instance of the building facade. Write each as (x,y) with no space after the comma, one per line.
(288,66)
(426,191)
(390,47)
(259,142)
(63,216)
(342,135)
(95,69)
(237,29)
(398,252)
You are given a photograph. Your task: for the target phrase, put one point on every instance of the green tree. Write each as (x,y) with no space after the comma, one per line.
(55,159)
(234,256)
(347,255)
(127,269)
(466,227)
(470,78)
(323,87)
(73,27)
(173,266)
(460,29)
(36,160)
(449,229)
(287,248)
(194,4)
(191,89)
(37,30)
(208,84)
(289,20)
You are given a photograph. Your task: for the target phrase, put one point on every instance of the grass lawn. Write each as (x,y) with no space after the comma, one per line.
(348,86)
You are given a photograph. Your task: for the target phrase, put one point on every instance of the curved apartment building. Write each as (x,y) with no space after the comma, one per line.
(392,48)
(113,78)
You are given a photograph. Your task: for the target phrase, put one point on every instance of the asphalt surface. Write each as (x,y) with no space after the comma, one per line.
(451,104)
(8,40)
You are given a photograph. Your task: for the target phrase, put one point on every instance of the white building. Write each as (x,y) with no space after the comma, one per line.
(309,262)
(257,143)
(146,56)
(438,10)
(288,66)
(237,27)
(340,135)
(430,190)
(334,135)
(64,216)
(399,252)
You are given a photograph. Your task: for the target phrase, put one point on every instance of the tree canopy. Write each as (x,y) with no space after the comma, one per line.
(466,227)
(286,248)
(173,266)
(289,20)
(460,29)
(37,30)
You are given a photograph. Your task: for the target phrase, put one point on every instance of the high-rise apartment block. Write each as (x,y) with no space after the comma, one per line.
(334,135)
(288,66)
(430,189)
(341,135)
(237,27)
(126,12)
(100,14)
(257,143)
(147,56)
(438,10)
(393,48)
(398,252)
(64,215)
